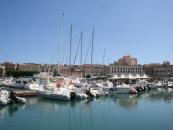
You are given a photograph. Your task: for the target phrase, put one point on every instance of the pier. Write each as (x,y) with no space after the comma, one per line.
(21,92)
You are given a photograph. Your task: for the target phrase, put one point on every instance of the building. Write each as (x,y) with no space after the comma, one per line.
(126,65)
(94,70)
(127,60)
(149,68)
(29,67)
(9,66)
(158,70)
(125,69)
(76,71)
(2,70)
(83,70)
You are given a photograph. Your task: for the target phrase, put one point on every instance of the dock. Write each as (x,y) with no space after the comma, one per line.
(21,92)
(25,93)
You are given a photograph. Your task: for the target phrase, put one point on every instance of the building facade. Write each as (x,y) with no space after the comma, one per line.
(29,67)
(165,69)
(2,70)
(125,69)
(9,66)
(127,60)
(94,70)
(126,65)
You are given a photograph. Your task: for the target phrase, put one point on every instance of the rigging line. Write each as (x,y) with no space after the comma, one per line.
(77,51)
(81,36)
(53,54)
(65,52)
(87,52)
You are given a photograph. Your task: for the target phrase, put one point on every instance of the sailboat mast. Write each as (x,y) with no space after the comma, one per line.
(71,31)
(81,47)
(92,47)
(60,40)
(81,52)
(92,52)
(104,57)
(71,28)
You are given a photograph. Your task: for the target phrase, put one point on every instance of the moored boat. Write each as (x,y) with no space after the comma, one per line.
(121,89)
(57,94)
(8,97)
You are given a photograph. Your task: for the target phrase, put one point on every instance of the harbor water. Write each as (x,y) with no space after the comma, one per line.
(148,111)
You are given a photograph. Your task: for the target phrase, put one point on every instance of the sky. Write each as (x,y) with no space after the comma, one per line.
(30,30)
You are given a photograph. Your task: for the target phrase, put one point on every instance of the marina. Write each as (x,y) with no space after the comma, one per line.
(86,65)
(149,111)
(62,104)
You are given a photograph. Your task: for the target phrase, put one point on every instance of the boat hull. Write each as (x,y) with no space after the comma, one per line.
(53,96)
(120,90)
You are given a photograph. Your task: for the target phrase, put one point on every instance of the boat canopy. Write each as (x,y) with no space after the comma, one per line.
(115,77)
(144,77)
(123,77)
(130,76)
(137,76)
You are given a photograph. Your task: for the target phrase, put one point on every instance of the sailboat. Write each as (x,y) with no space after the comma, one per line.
(58,91)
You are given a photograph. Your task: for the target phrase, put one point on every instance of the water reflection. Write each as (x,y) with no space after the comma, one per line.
(86,108)
(165,95)
(54,105)
(10,110)
(130,101)
(126,100)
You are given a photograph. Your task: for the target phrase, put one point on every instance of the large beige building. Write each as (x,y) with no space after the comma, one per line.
(125,69)
(126,65)
(127,60)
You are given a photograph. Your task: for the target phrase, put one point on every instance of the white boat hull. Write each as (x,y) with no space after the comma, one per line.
(49,95)
(120,90)
(4,102)
(5,98)
(81,96)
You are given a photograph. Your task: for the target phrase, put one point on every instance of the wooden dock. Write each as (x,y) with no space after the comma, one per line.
(25,93)
(21,92)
